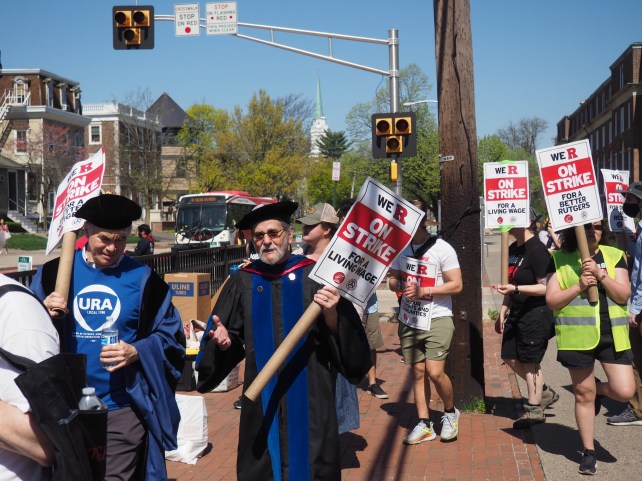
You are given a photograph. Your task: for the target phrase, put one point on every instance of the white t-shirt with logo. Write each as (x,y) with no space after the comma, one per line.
(427,272)
(26,330)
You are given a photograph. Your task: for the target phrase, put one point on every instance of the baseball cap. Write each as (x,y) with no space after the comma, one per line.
(318,213)
(635,189)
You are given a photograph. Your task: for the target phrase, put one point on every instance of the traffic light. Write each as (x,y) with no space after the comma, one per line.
(394,135)
(133,27)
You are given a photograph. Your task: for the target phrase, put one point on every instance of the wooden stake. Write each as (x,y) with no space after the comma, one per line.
(63,279)
(504,265)
(582,245)
(300,329)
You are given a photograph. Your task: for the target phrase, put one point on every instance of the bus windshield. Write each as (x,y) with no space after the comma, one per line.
(206,216)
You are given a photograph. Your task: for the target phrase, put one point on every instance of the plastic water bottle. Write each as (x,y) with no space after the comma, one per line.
(90,402)
(109,335)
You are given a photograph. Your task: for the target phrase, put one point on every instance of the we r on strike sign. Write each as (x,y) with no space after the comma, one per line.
(570,187)
(506,196)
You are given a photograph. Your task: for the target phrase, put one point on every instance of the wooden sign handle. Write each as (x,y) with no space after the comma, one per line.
(300,329)
(504,254)
(582,245)
(63,279)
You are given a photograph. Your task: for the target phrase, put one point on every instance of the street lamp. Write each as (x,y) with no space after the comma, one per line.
(407,104)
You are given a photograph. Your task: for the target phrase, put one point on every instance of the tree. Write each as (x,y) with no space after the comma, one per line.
(523,135)
(263,150)
(333,144)
(140,167)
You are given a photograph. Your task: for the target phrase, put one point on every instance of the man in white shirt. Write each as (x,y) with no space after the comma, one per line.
(25,330)
(428,274)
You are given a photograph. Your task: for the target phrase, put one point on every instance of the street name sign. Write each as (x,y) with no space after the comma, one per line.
(221,18)
(186,19)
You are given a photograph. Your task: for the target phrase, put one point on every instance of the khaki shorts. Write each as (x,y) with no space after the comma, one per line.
(373,330)
(434,345)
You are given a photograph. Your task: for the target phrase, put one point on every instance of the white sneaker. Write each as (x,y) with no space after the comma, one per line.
(420,433)
(450,425)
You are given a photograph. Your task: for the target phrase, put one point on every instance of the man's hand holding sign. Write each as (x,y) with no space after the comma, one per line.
(572,195)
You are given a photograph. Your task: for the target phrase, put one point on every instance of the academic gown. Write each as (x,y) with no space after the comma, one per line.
(290,432)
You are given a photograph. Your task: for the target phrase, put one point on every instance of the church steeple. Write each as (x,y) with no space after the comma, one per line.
(319,109)
(319,125)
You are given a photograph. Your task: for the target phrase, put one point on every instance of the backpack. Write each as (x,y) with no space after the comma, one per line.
(53,388)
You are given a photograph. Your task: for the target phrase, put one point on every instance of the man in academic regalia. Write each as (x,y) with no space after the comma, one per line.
(290,432)
(135,378)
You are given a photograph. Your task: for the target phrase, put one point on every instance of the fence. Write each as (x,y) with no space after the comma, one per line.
(216,262)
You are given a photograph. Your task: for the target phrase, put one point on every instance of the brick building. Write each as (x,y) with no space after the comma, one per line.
(41,133)
(611,118)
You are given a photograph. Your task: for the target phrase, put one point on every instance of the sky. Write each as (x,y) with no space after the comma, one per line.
(531,59)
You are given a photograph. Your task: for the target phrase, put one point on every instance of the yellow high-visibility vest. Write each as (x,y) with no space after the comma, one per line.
(577,325)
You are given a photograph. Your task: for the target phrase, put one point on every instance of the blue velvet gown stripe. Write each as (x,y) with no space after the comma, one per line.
(263,339)
(296,378)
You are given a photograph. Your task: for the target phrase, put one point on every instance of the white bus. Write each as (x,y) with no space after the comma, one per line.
(208,219)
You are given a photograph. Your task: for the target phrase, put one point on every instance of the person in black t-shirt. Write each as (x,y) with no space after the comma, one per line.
(529,325)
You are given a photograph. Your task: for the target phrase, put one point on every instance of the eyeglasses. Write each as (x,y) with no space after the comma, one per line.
(272,234)
(594,227)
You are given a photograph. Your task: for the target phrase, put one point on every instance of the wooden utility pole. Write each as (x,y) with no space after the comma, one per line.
(460,212)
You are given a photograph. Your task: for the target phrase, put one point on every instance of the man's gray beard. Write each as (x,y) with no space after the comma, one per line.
(282,251)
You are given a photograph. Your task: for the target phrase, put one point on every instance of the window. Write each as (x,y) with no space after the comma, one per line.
(50,93)
(95,134)
(20,90)
(21,142)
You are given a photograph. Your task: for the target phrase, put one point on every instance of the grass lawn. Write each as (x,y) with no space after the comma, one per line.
(27,242)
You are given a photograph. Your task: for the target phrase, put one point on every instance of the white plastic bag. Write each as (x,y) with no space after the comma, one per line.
(192,430)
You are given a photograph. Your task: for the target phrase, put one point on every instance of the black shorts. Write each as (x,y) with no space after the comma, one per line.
(604,352)
(526,337)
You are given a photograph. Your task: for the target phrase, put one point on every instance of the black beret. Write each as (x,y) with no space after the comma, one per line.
(110,211)
(279,211)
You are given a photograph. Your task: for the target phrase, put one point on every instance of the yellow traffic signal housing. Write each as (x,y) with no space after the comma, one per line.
(383,126)
(123,18)
(132,36)
(142,18)
(394,144)
(403,126)
(394,135)
(133,27)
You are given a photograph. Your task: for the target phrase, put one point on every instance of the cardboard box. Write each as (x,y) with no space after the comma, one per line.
(190,294)
(232,380)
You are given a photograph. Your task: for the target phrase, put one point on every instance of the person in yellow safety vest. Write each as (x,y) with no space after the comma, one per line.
(587,332)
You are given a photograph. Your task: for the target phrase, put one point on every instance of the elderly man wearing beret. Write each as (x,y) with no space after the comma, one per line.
(290,432)
(135,378)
